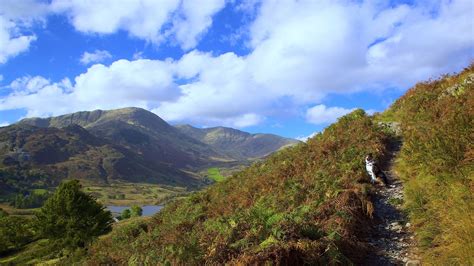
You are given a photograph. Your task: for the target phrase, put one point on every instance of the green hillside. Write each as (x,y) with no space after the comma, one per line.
(100,147)
(41,157)
(437,164)
(308,204)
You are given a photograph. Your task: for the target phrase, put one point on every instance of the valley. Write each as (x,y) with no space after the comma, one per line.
(122,157)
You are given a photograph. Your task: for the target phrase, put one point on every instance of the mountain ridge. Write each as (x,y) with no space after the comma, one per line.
(236,143)
(130,144)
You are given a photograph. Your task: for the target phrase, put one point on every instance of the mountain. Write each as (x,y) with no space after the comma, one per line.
(37,156)
(237,144)
(129,144)
(140,131)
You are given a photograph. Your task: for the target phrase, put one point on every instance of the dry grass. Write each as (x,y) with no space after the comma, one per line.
(437,162)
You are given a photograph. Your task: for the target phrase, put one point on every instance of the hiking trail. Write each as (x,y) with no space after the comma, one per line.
(391,237)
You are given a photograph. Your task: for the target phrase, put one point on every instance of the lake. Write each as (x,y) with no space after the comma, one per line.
(148,210)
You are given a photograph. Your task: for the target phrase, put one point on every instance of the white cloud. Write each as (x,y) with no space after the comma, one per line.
(301,51)
(26,11)
(144,19)
(28,85)
(305,138)
(16,18)
(137,56)
(4,124)
(193,19)
(95,57)
(124,83)
(320,114)
(12,44)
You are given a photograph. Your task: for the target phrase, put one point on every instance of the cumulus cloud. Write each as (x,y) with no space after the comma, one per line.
(305,138)
(150,20)
(300,51)
(16,18)
(305,50)
(12,44)
(320,114)
(4,124)
(192,20)
(142,83)
(95,57)
(28,85)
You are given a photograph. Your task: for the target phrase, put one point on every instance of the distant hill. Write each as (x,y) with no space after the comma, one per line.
(29,153)
(141,131)
(130,144)
(237,144)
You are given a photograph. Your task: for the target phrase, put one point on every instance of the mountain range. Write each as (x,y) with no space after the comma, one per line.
(129,144)
(237,144)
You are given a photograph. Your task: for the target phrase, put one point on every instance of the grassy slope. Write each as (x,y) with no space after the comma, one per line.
(436,162)
(304,204)
(128,194)
(214,174)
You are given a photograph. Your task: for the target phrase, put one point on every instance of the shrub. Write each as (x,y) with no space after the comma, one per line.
(136,211)
(30,200)
(15,232)
(125,214)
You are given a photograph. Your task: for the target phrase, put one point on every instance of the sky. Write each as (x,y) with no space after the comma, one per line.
(288,67)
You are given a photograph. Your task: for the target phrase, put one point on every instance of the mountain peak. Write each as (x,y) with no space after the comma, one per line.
(88,119)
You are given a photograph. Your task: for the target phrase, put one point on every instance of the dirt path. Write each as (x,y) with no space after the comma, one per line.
(391,238)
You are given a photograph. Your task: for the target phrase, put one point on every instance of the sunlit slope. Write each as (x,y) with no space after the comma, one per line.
(140,131)
(437,164)
(307,203)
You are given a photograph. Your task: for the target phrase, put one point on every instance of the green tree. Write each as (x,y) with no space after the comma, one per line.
(71,218)
(136,211)
(15,232)
(31,200)
(125,214)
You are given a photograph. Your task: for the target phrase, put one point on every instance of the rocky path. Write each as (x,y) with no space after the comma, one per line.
(391,237)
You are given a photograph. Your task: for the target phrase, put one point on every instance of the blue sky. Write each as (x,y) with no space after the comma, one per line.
(285,67)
